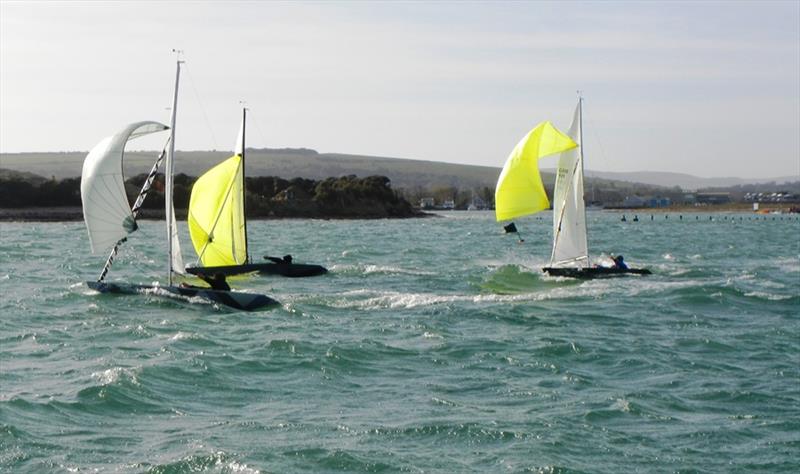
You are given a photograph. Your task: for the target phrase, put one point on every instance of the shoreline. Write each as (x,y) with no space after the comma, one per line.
(73,214)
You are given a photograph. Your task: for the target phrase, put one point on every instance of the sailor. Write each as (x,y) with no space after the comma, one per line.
(285,259)
(217,282)
(619,262)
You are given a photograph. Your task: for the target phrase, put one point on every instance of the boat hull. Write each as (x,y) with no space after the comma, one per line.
(593,272)
(291,270)
(232,299)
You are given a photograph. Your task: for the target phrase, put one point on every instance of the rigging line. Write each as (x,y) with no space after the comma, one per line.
(258,127)
(602,149)
(202,109)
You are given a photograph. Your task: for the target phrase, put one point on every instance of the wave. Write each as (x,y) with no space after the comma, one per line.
(365,269)
(216,462)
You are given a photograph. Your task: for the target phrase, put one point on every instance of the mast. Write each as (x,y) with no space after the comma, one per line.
(580,155)
(580,128)
(244,187)
(168,169)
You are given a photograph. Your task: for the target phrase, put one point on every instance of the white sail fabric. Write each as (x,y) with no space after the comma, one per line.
(177,256)
(173,242)
(239,150)
(569,213)
(106,209)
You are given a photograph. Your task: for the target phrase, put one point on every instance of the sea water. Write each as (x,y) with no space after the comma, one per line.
(433,345)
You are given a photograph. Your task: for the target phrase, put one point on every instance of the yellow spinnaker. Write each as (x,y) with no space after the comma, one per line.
(519,190)
(216,215)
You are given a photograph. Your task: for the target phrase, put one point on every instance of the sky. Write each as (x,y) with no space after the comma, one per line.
(710,89)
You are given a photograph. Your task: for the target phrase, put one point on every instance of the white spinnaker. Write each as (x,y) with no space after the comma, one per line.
(106,209)
(569,212)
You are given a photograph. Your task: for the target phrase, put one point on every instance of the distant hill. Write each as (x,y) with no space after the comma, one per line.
(284,163)
(306,163)
(6,174)
(685,181)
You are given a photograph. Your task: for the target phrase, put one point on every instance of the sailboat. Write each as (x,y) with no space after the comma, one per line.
(520,192)
(110,219)
(218,225)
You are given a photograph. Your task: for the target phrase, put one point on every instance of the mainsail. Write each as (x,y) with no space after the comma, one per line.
(106,209)
(175,260)
(569,212)
(519,189)
(216,212)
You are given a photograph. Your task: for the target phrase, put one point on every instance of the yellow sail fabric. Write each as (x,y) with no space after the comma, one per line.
(216,215)
(519,190)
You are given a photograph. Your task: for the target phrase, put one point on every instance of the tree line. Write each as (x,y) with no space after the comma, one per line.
(266,196)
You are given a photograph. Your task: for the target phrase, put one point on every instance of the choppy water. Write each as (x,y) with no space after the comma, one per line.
(434,345)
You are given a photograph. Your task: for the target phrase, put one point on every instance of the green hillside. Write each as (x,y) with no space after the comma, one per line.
(283,163)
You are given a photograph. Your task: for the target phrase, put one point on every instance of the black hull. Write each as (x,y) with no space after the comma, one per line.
(291,270)
(232,299)
(594,272)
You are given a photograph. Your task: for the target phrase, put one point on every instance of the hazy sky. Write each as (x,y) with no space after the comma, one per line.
(705,88)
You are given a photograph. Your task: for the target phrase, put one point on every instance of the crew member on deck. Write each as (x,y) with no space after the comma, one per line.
(619,262)
(217,282)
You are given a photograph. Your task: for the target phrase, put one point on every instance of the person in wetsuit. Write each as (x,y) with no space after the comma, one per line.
(619,262)
(216,282)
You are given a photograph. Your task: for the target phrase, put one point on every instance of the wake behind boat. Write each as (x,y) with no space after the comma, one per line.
(218,225)
(110,218)
(520,192)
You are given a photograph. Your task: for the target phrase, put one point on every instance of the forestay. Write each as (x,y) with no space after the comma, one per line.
(569,213)
(106,209)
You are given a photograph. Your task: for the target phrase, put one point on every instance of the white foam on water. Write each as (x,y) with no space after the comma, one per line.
(235,466)
(622,405)
(650,286)
(371,299)
(115,374)
(379,269)
(788,264)
(161,292)
(768,296)
(180,336)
